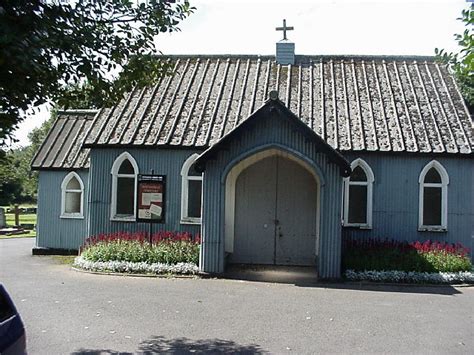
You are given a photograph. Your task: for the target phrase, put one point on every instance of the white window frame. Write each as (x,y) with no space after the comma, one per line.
(115,175)
(64,189)
(185,178)
(444,196)
(370,186)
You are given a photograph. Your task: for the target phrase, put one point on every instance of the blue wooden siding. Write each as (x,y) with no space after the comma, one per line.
(53,231)
(165,162)
(396,198)
(266,134)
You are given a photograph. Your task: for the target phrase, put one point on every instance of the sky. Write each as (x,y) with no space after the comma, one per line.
(372,27)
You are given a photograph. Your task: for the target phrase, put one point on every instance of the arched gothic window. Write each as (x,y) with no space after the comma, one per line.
(433,203)
(72,191)
(124,185)
(358,190)
(191,192)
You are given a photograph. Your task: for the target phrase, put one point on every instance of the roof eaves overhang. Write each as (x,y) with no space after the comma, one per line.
(275,106)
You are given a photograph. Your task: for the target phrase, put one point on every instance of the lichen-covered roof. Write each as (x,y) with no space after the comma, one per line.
(275,110)
(63,147)
(354,103)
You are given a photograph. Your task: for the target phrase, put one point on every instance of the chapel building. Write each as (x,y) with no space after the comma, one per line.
(271,159)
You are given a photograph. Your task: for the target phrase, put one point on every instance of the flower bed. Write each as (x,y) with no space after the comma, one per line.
(168,252)
(135,267)
(411,277)
(383,255)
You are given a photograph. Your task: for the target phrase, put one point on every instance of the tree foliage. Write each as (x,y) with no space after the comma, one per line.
(10,184)
(462,63)
(46,46)
(18,183)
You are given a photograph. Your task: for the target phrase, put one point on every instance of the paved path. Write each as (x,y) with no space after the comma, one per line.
(70,312)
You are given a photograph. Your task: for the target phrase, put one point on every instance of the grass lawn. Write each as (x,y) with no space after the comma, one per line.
(24,219)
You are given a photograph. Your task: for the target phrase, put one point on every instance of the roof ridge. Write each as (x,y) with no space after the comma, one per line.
(401,57)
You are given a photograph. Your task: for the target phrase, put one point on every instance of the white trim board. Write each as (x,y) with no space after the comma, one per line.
(114,172)
(64,190)
(370,187)
(185,178)
(444,197)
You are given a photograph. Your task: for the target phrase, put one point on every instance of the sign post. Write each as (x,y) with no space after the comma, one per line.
(151,199)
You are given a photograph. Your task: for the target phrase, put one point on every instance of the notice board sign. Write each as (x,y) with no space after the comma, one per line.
(151,198)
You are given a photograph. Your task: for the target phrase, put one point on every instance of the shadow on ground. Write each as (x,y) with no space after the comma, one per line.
(445,290)
(307,277)
(160,345)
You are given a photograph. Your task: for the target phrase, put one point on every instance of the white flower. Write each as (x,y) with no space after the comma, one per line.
(411,277)
(132,268)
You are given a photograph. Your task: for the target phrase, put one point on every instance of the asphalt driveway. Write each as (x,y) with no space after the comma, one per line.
(70,312)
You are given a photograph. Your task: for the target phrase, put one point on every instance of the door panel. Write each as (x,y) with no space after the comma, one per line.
(296,213)
(275,214)
(254,238)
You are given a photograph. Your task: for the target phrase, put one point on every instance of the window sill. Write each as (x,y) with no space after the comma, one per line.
(432,229)
(123,219)
(71,216)
(357,226)
(190,221)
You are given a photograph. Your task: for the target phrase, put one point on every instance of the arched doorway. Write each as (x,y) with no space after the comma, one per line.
(275,214)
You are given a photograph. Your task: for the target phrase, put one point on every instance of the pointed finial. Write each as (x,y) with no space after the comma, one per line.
(273,95)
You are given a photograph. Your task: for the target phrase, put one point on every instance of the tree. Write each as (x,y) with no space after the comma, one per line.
(10,183)
(47,45)
(462,63)
(18,183)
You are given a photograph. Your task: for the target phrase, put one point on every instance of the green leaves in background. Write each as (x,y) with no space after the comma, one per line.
(47,46)
(462,63)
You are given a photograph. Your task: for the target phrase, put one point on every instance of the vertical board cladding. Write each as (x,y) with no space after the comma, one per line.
(212,247)
(52,230)
(163,162)
(271,133)
(330,242)
(396,198)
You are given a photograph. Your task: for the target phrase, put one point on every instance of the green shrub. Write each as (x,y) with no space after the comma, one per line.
(445,262)
(170,249)
(384,255)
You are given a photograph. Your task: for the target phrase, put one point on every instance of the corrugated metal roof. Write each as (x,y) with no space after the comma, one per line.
(354,103)
(62,148)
